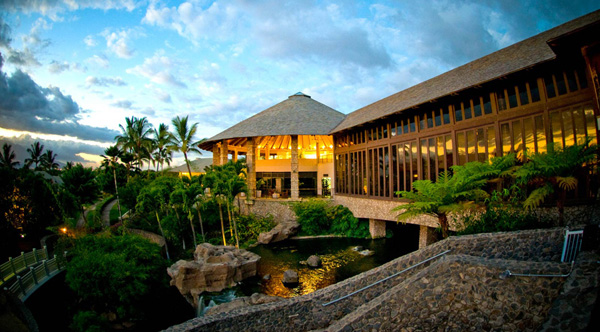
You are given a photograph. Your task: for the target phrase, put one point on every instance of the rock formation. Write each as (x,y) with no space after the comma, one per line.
(279,233)
(241,302)
(313,261)
(213,269)
(290,278)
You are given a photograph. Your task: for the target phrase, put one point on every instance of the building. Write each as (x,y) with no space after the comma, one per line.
(197,166)
(288,149)
(539,91)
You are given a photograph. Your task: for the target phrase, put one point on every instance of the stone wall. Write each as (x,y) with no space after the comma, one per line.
(462,293)
(281,210)
(308,313)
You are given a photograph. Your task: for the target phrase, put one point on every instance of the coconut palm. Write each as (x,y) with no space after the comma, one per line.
(48,161)
(7,157)
(35,152)
(135,137)
(111,157)
(162,153)
(182,139)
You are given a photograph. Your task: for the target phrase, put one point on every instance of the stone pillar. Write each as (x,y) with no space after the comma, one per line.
(251,165)
(294,180)
(278,185)
(427,236)
(224,152)
(377,228)
(216,154)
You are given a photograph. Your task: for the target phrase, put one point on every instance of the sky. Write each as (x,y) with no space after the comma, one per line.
(72,70)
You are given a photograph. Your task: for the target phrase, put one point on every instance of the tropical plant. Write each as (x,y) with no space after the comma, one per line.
(81,183)
(111,157)
(7,157)
(35,154)
(453,192)
(182,139)
(162,153)
(135,137)
(312,216)
(48,161)
(555,173)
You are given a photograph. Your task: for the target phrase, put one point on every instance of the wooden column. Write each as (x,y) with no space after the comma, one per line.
(294,180)
(216,154)
(224,152)
(234,155)
(251,164)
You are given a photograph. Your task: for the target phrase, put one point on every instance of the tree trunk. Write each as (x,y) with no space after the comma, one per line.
(117,193)
(163,235)
(190,218)
(200,219)
(222,224)
(443,220)
(237,240)
(188,165)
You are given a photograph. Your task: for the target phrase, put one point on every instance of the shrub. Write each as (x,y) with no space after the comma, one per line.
(312,216)
(250,226)
(344,223)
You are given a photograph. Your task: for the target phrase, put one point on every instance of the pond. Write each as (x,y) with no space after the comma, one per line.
(339,261)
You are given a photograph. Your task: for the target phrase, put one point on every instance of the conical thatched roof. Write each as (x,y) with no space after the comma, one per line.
(525,54)
(297,115)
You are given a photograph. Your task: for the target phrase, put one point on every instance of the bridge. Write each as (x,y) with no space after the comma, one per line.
(24,274)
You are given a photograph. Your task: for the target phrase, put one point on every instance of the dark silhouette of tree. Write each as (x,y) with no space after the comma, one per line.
(7,157)
(35,154)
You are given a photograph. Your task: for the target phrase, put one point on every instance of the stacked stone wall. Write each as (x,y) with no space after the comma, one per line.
(463,293)
(307,312)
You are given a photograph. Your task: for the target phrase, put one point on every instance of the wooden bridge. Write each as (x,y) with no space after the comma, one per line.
(24,274)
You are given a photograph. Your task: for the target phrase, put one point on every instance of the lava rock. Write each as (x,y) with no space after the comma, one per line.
(290,278)
(313,261)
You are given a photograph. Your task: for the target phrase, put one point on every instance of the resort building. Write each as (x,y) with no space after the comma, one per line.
(522,98)
(288,149)
(519,99)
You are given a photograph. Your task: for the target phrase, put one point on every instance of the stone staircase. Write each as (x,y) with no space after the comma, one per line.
(457,292)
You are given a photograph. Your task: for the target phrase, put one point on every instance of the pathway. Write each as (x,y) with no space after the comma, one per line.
(106,212)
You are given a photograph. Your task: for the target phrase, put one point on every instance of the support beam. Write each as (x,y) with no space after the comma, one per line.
(224,152)
(216,154)
(234,155)
(377,228)
(295,180)
(427,236)
(251,165)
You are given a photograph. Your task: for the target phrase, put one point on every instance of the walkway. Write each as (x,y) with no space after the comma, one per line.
(106,212)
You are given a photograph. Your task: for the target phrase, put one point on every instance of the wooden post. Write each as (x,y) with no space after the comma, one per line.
(32,271)
(24,259)
(46,252)
(21,285)
(37,260)
(295,183)
(251,165)
(12,264)
(46,268)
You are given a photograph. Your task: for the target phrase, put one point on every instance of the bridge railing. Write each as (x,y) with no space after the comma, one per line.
(14,266)
(37,275)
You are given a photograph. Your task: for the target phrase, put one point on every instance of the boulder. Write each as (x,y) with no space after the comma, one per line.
(366,252)
(290,277)
(213,269)
(242,302)
(313,261)
(279,233)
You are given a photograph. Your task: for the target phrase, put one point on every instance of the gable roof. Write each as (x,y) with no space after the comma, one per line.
(297,115)
(514,58)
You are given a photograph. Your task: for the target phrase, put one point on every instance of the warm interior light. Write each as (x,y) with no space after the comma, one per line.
(64,230)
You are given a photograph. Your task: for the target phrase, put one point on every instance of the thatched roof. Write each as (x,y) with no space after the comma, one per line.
(297,115)
(197,165)
(522,55)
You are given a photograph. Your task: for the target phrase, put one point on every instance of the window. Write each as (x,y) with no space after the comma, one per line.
(563,82)
(522,94)
(477,144)
(379,172)
(436,156)
(526,135)
(404,165)
(572,126)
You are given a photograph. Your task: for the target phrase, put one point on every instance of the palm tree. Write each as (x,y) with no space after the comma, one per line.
(112,157)
(162,153)
(555,172)
(182,139)
(35,151)
(135,137)
(47,161)
(7,157)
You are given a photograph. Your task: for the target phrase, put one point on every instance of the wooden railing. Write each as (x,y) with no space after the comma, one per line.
(14,266)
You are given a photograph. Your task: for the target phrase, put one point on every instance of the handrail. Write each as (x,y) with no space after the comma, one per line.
(385,279)
(10,269)
(36,276)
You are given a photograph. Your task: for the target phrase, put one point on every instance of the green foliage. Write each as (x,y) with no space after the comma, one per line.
(81,183)
(318,217)
(89,321)
(343,222)
(129,192)
(114,274)
(312,216)
(455,192)
(250,226)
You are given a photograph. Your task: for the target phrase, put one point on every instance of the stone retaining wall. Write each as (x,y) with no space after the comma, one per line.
(463,293)
(307,313)
(281,210)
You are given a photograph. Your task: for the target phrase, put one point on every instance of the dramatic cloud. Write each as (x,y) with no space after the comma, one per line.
(104,81)
(5,31)
(26,106)
(159,69)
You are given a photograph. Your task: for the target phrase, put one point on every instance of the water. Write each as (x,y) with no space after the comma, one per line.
(339,262)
